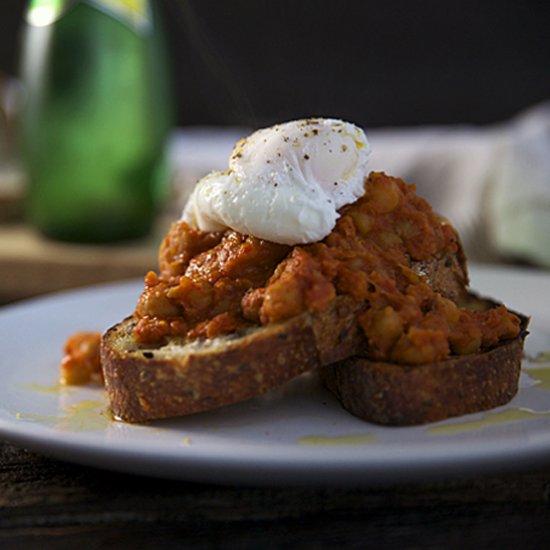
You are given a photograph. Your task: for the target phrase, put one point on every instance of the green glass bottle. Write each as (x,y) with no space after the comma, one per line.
(95,119)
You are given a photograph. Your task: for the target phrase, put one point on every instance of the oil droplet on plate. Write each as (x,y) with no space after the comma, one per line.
(51,389)
(489,419)
(85,416)
(541,376)
(364,439)
(540,357)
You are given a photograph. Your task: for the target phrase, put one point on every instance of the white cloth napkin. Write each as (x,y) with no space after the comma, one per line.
(492,182)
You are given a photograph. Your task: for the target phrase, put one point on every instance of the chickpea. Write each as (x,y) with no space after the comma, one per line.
(192,294)
(386,328)
(363,222)
(81,362)
(387,238)
(407,229)
(154,303)
(465,347)
(449,309)
(384,196)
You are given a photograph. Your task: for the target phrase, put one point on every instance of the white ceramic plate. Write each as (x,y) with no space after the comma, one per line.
(296,435)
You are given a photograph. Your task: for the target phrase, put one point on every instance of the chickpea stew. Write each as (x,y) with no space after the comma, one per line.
(210,284)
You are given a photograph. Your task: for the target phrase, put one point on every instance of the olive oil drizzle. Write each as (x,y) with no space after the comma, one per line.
(489,419)
(85,416)
(540,357)
(541,377)
(52,389)
(361,439)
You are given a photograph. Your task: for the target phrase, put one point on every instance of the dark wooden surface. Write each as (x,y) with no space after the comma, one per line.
(51,504)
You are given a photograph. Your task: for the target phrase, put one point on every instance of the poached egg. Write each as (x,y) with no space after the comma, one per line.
(284,183)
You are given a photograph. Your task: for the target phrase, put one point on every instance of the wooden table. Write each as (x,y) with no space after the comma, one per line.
(51,504)
(31,265)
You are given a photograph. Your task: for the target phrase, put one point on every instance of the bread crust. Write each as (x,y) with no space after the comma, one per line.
(402,395)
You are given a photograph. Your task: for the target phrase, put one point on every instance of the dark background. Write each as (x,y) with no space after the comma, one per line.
(381,63)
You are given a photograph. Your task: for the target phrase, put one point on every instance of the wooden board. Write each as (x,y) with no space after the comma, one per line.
(32,265)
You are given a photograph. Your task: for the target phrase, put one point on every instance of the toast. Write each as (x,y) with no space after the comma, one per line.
(179,377)
(388,282)
(401,395)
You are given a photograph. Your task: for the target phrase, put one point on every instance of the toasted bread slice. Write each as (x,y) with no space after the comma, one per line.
(180,377)
(401,395)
